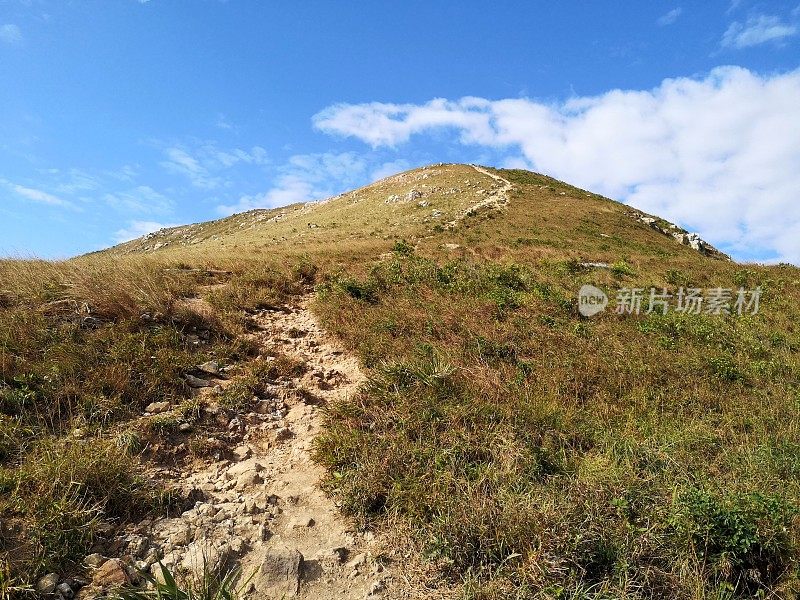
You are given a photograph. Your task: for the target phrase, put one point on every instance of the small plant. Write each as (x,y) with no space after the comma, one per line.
(676,277)
(403,248)
(211,585)
(724,367)
(621,268)
(743,537)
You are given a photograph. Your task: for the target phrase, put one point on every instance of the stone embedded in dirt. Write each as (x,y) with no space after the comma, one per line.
(180,536)
(284,433)
(111,573)
(47,584)
(331,558)
(94,560)
(376,588)
(263,407)
(242,452)
(249,479)
(211,367)
(301,522)
(280,573)
(64,591)
(137,545)
(358,561)
(196,382)
(202,557)
(243,467)
(157,407)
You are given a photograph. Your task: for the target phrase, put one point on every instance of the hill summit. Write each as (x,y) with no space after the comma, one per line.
(414,204)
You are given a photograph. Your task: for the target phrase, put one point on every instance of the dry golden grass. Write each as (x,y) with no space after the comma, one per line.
(530,453)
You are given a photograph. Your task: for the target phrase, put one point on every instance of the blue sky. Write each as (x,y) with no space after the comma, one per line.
(121,116)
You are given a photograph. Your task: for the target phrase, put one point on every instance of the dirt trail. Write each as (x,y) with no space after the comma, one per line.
(263,510)
(500,196)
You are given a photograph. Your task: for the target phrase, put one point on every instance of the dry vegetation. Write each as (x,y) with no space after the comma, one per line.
(529,452)
(85,345)
(535,453)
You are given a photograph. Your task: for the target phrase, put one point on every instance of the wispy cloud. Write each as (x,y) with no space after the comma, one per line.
(10,33)
(305,177)
(757,30)
(717,154)
(35,195)
(670,17)
(204,163)
(137,229)
(143,199)
(222,122)
(180,162)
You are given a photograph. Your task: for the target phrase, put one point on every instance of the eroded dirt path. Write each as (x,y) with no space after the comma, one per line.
(261,506)
(499,196)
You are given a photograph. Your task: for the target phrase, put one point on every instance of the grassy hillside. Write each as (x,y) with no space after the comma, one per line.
(524,450)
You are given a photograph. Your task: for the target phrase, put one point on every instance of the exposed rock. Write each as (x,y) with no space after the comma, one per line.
(47,584)
(201,556)
(111,573)
(211,367)
(242,452)
(94,560)
(243,467)
(196,382)
(357,562)
(63,590)
(248,479)
(157,407)
(682,236)
(280,573)
(301,522)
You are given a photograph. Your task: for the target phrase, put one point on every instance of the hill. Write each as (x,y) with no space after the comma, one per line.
(421,339)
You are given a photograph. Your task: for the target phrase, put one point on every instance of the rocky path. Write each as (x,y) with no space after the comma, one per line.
(495,198)
(500,196)
(261,508)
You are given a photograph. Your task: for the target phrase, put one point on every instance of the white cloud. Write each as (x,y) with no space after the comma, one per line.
(36,195)
(136,229)
(77,181)
(180,162)
(222,122)
(204,163)
(10,33)
(718,154)
(142,198)
(304,178)
(757,30)
(670,17)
